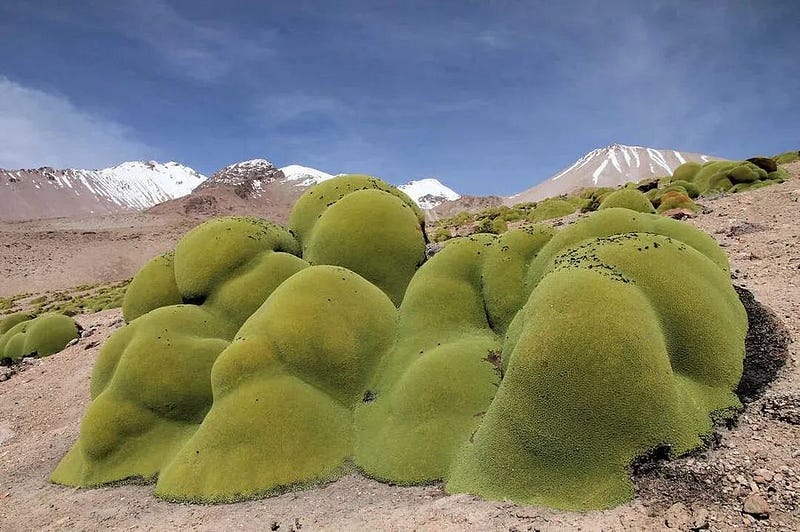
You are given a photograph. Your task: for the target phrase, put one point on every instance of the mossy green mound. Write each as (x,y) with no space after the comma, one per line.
(627,198)
(552,435)
(151,388)
(317,199)
(13,319)
(285,388)
(687,171)
(554,208)
(675,198)
(365,225)
(41,336)
(533,366)
(688,188)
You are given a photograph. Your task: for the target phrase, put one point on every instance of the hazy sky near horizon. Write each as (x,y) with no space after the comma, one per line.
(489,96)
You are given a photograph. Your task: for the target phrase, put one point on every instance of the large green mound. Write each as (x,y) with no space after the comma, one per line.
(533,366)
(21,335)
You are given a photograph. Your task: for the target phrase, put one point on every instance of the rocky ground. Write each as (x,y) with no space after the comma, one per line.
(748,478)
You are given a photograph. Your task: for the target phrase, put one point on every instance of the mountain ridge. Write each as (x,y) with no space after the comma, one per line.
(257,187)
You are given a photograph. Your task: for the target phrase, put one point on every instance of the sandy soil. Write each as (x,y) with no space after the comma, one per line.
(41,407)
(43,255)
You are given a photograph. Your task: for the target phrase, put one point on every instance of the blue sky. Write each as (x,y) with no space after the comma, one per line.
(490,96)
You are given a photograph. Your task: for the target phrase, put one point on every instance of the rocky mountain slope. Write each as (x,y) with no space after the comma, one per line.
(259,188)
(255,187)
(611,166)
(49,192)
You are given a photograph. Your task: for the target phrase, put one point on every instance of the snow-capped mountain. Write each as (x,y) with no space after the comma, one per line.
(256,187)
(259,177)
(429,192)
(611,166)
(131,186)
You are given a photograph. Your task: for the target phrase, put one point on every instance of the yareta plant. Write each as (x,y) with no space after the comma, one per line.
(724,176)
(534,366)
(22,335)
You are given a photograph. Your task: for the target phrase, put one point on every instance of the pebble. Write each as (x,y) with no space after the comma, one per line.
(762,476)
(700,519)
(755,505)
(677,516)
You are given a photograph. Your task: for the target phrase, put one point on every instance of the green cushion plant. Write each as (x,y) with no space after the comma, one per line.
(295,356)
(627,198)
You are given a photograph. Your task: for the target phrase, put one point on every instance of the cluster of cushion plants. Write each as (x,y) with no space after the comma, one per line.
(661,195)
(533,366)
(733,176)
(22,334)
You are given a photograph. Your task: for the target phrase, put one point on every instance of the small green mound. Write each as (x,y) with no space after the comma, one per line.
(688,188)
(687,171)
(151,388)
(787,157)
(13,319)
(779,176)
(41,336)
(675,198)
(627,198)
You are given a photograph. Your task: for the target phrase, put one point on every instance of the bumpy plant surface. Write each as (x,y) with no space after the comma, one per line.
(533,366)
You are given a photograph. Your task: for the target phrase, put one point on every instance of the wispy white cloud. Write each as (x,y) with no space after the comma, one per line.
(276,109)
(38,128)
(200,50)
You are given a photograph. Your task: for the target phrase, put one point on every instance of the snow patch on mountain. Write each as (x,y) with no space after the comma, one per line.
(304,175)
(135,184)
(142,184)
(428,193)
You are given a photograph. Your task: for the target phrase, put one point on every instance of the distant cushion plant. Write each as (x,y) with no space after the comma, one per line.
(22,335)
(628,198)
(533,366)
(728,176)
(787,157)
